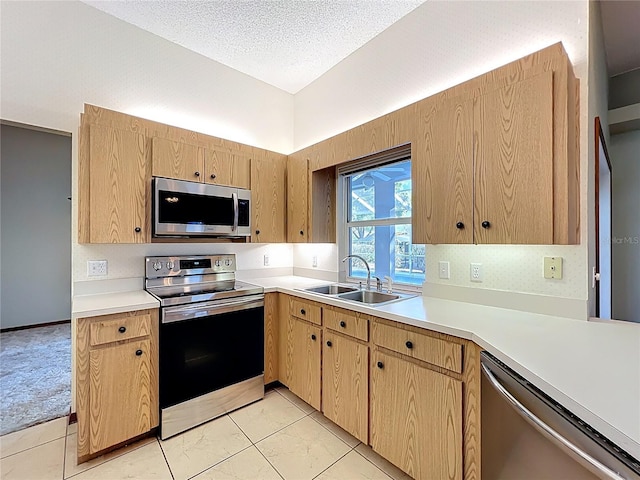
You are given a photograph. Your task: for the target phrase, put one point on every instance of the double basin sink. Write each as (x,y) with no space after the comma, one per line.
(353,294)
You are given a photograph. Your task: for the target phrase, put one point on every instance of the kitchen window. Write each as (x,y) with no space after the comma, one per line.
(376,224)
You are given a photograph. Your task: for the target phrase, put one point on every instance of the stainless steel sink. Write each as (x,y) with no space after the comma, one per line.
(331,289)
(369,296)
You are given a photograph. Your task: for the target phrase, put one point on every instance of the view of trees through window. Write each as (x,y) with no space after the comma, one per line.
(378,224)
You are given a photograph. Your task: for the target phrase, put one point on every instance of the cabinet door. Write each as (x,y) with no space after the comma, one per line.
(304,343)
(120,398)
(179,160)
(416,418)
(297,200)
(223,167)
(514,163)
(117,189)
(345,384)
(271,327)
(442,172)
(268,198)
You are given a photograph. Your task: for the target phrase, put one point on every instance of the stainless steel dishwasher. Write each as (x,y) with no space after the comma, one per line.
(526,435)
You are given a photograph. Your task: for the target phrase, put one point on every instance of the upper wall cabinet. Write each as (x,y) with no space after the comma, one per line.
(498,165)
(298,199)
(114,179)
(226,168)
(269,198)
(175,159)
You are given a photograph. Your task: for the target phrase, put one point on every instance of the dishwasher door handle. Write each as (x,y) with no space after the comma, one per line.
(545,429)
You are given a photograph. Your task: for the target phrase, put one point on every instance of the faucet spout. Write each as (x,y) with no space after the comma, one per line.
(365,264)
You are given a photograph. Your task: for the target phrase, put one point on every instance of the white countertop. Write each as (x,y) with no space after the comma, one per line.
(591,367)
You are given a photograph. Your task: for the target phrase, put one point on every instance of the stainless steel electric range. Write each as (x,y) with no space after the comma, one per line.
(211,338)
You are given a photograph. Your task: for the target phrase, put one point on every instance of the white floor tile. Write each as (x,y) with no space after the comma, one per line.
(144,463)
(384,465)
(71,466)
(33,436)
(197,449)
(297,401)
(339,432)
(302,450)
(43,462)
(261,419)
(354,467)
(249,464)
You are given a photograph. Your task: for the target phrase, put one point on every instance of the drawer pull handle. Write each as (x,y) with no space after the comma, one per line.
(302,312)
(122,329)
(313,337)
(329,343)
(380,365)
(409,344)
(138,352)
(343,324)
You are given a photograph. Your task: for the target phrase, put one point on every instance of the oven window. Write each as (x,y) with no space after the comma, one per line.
(205,354)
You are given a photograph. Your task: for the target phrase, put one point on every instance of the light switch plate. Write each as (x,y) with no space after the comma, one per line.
(444,270)
(553,267)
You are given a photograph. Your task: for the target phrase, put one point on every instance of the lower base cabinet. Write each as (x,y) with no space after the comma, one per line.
(416,418)
(304,350)
(345,384)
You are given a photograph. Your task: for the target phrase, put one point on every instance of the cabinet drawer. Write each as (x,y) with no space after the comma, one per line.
(119,327)
(306,311)
(347,322)
(422,347)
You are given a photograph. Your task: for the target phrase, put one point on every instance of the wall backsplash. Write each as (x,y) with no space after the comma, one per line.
(127,261)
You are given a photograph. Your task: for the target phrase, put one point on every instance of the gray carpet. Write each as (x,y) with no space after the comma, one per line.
(35,376)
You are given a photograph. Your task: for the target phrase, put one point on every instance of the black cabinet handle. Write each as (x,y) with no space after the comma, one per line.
(197,174)
(213,176)
(122,329)
(329,343)
(257,232)
(460,225)
(138,352)
(138,229)
(409,344)
(343,324)
(486,224)
(380,365)
(301,232)
(302,312)
(313,337)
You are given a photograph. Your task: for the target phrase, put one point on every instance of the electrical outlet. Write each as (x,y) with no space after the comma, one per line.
(444,270)
(476,272)
(96,268)
(314,261)
(553,267)
(266,260)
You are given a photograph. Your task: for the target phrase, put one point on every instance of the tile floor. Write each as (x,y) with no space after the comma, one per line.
(280,437)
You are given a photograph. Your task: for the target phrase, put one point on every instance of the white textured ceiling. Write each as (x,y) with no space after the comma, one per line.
(286,43)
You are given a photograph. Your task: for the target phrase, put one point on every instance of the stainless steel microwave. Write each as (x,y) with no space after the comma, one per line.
(191,209)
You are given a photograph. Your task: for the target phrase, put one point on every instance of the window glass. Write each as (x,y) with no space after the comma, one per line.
(378,226)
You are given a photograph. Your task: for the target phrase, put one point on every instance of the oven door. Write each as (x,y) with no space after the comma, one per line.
(182,208)
(210,346)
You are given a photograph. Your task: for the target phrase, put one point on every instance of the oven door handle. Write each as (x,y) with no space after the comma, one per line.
(181,313)
(236,211)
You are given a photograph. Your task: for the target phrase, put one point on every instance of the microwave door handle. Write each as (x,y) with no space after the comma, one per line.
(234,196)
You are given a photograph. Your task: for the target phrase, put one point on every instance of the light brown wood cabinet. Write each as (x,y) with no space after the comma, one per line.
(416,418)
(345,384)
(298,200)
(117,379)
(271,335)
(486,165)
(304,351)
(175,159)
(224,167)
(269,198)
(114,175)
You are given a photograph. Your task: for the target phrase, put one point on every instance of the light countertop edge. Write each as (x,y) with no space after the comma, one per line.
(108,303)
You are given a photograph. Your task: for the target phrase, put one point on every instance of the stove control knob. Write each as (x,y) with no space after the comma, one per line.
(227,262)
(170,265)
(218,263)
(157,265)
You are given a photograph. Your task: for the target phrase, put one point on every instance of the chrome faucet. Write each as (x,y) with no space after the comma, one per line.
(365,264)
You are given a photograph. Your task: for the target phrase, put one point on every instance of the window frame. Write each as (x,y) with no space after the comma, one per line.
(396,154)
